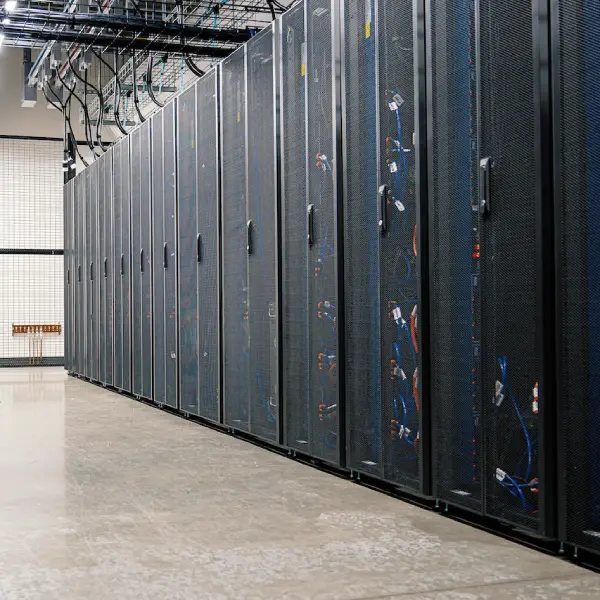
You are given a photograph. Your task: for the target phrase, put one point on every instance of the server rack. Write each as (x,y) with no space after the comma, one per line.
(491,285)
(576,43)
(141,204)
(311,179)
(198,206)
(383,200)
(122,264)
(68,270)
(92,294)
(164,235)
(105,267)
(249,184)
(236,342)
(79,212)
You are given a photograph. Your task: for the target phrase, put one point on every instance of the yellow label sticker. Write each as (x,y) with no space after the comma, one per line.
(368,30)
(239,116)
(303,70)
(192,144)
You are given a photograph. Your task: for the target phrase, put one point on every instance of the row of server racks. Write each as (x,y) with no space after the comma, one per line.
(370,236)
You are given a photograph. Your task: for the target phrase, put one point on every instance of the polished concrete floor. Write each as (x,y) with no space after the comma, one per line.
(102,497)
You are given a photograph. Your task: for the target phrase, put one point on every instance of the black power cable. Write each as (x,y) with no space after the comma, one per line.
(63,109)
(189,63)
(86,122)
(86,114)
(149,80)
(136,100)
(117,95)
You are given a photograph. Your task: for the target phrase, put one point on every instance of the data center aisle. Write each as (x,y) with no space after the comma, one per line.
(102,497)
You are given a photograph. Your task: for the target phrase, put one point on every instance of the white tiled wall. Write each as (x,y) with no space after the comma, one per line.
(31,216)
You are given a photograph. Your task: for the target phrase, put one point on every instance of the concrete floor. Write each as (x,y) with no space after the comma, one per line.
(102,497)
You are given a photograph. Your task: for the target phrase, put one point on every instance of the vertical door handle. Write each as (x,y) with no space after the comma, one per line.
(383,196)
(105,267)
(68,276)
(485,187)
(165,257)
(122,264)
(91,271)
(310,214)
(79,273)
(199,248)
(142,260)
(249,236)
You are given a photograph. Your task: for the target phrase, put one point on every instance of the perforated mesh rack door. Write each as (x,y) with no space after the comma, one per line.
(117,262)
(322,167)
(68,270)
(136,247)
(158,241)
(262,215)
(208,247)
(512,332)
(127,262)
(79,220)
(145,259)
(170,217)
(107,256)
(101,283)
(236,334)
(488,346)
(295,338)
(381,251)
(577,176)
(187,209)
(456,364)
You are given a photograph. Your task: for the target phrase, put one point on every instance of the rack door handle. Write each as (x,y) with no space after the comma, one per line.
(122,264)
(79,273)
(68,276)
(165,256)
(199,248)
(383,196)
(105,267)
(249,236)
(485,187)
(142,260)
(310,214)
(91,271)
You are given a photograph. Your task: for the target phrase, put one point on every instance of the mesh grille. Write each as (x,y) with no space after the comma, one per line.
(399,279)
(510,308)
(126,251)
(157,252)
(579,164)
(208,223)
(236,338)
(294,287)
(362,260)
(169,215)
(262,266)
(323,400)
(145,259)
(136,244)
(116,270)
(68,269)
(108,256)
(381,273)
(456,368)
(498,252)
(188,300)
(101,283)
